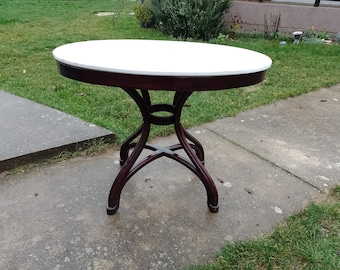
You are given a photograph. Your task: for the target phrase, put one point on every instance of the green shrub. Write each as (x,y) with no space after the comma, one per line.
(312,40)
(197,19)
(143,12)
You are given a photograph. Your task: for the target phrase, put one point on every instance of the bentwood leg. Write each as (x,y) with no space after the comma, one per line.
(144,104)
(194,150)
(196,159)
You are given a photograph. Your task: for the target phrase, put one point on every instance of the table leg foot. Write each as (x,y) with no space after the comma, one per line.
(213,208)
(111,210)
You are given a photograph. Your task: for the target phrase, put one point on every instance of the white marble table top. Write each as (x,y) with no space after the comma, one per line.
(161,58)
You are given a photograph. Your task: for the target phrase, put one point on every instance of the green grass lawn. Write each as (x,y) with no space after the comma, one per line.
(308,240)
(31,29)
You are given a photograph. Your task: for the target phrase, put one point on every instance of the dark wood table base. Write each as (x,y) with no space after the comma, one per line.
(187,142)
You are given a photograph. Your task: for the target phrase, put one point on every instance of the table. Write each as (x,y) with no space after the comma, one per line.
(138,66)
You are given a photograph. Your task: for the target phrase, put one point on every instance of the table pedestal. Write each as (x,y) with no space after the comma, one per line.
(187,142)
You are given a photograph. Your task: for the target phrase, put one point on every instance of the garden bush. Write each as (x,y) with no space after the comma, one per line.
(143,13)
(196,19)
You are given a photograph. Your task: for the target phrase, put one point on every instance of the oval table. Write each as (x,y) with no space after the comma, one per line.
(138,66)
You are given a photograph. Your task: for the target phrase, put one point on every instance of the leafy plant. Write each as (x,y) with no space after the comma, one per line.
(143,13)
(313,37)
(322,35)
(221,39)
(197,19)
(312,40)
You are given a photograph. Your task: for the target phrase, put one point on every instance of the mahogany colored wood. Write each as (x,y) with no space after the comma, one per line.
(150,82)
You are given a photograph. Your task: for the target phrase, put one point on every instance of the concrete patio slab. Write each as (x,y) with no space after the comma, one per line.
(30,131)
(54,217)
(300,135)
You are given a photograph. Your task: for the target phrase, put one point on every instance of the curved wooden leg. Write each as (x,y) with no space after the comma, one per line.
(124,173)
(127,161)
(201,172)
(196,145)
(127,145)
(191,146)
(144,103)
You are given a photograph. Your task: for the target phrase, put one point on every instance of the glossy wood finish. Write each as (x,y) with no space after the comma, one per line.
(168,83)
